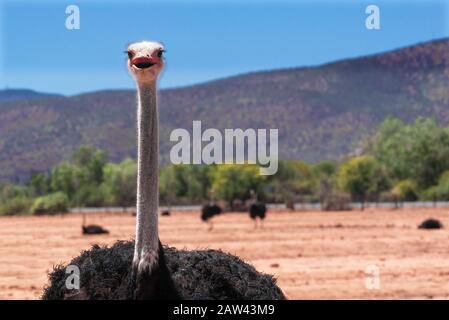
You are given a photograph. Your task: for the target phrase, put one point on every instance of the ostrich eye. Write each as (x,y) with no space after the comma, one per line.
(130,54)
(160,53)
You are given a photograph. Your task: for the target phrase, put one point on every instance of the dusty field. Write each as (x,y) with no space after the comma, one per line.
(315,255)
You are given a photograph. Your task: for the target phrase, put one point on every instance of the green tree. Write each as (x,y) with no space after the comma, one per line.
(81,179)
(418,151)
(19,204)
(14,200)
(325,175)
(232,181)
(91,161)
(362,177)
(391,145)
(89,195)
(168,185)
(440,191)
(406,190)
(65,178)
(39,184)
(282,183)
(119,183)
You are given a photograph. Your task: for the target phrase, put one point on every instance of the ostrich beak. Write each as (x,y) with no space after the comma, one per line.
(143,62)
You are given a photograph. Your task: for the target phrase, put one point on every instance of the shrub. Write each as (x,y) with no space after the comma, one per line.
(50,204)
(431,194)
(406,190)
(362,177)
(441,190)
(90,196)
(16,205)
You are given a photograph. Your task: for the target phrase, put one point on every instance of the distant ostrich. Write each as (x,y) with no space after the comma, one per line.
(166,213)
(257,210)
(145,269)
(431,224)
(209,211)
(92,228)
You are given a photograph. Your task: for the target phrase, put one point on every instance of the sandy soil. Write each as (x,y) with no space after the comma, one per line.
(314,255)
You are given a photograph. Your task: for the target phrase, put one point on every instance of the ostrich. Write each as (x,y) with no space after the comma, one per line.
(92,228)
(208,212)
(144,269)
(257,209)
(166,213)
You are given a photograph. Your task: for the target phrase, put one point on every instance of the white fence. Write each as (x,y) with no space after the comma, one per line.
(298,206)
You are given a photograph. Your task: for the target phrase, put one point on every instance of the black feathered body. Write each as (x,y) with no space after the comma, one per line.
(155,285)
(197,274)
(94,229)
(210,210)
(431,224)
(257,210)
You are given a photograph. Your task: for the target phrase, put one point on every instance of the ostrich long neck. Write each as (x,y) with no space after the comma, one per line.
(147,237)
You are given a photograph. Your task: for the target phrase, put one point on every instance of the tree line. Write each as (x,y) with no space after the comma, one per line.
(400,162)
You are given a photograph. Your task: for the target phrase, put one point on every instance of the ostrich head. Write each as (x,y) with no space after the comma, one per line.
(145,61)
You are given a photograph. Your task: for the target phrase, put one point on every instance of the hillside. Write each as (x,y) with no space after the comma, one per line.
(8,95)
(321,112)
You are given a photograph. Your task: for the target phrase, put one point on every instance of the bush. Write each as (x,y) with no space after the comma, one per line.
(89,196)
(406,190)
(441,190)
(17,205)
(50,204)
(362,177)
(431,194)
(119,185)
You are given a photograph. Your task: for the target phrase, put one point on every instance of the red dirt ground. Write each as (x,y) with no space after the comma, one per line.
(314,255)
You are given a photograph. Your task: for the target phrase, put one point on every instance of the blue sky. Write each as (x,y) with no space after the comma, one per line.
(204,39)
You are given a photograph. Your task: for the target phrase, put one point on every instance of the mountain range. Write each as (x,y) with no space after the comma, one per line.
(322,112)
(8,95)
